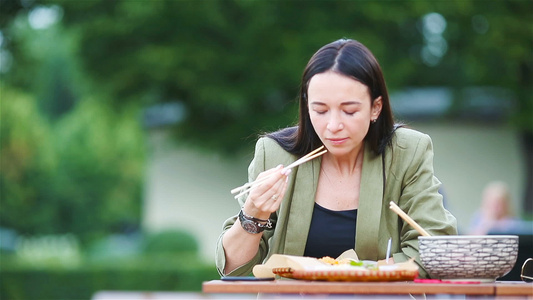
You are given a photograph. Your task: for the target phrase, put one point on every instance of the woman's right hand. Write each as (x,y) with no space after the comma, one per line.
(265,198)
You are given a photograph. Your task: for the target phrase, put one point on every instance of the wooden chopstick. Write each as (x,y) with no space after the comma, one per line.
(235,190)
(301,161)
(307,157)
(311,155)
(408,219)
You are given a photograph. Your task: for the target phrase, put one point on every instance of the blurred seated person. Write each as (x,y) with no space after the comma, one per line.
(495,215)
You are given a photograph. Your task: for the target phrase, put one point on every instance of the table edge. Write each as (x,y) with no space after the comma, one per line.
(325,287)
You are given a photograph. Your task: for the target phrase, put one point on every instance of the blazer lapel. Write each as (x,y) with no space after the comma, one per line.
(368,215)
(301,207)
(370,204)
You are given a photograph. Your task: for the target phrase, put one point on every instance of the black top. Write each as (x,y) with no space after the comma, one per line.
(331,232)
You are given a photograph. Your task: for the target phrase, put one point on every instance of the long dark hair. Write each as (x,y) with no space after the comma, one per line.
(349,58)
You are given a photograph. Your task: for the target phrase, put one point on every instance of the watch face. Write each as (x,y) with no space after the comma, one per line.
(250,226)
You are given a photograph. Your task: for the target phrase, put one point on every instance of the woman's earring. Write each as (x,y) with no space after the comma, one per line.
(373,121)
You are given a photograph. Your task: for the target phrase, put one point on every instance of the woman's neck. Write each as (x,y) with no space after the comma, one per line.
(345,165)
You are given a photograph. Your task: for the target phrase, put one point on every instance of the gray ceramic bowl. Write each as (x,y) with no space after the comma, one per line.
(468,257)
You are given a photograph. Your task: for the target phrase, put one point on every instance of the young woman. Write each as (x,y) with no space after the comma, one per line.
(338,201)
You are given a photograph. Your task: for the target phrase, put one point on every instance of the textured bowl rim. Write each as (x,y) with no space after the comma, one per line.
(454,237)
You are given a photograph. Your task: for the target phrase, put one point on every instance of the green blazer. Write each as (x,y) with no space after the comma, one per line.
(410,182)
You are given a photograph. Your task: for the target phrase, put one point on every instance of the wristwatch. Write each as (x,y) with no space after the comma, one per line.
(252,225)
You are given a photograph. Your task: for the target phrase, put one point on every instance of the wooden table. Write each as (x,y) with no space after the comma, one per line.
(375,288)
(513,288)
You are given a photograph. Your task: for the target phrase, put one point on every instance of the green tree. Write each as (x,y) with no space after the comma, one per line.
(99,173)
(27,163)
(82,175)
(69,163)
(43,61)
(236,64)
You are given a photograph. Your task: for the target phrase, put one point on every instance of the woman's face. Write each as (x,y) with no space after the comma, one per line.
(341,111)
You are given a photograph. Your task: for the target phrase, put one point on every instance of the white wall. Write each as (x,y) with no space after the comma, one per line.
(190,190)
(469,156)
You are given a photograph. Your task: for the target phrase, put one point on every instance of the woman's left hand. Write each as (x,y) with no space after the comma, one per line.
(383,262)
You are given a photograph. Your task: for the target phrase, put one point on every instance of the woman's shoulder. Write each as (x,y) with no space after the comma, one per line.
(269,144)
(409,149)
(272,152)
(407,138)
(281,140)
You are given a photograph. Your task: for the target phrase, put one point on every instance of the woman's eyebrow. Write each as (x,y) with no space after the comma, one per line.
(342,103)
(355,102)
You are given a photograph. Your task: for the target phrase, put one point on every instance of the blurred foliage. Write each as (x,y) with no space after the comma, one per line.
(136,275)
(169,242)
(28,163)
(44,63)
(8,11)
(54,266)
(47,250)
(101,167)
(81,174)
(236,64)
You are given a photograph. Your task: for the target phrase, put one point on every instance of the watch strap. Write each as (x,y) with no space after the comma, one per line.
(253,218)
(252,224)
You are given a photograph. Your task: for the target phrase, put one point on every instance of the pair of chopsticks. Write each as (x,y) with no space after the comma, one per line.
(408,219)
(246,187)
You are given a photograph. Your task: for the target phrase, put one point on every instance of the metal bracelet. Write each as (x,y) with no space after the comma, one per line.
(252,218)
(267,225)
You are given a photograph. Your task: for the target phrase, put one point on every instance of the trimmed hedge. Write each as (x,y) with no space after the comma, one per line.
(83,282)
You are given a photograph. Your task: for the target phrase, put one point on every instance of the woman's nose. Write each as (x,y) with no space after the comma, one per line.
(335,124)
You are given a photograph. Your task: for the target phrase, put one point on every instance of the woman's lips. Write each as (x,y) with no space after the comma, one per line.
(337,141)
